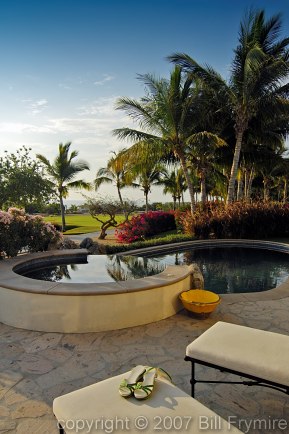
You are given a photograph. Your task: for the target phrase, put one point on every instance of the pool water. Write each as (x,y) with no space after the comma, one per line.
(98,268)
(236,269)
(225,270)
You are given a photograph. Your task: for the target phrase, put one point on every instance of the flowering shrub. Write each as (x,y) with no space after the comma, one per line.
(145,225)
(19,231)
(238,220)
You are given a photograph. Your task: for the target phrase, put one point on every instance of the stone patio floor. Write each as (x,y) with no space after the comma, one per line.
(36,367)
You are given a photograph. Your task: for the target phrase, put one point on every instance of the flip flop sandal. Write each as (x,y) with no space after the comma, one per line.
(126,387)
(143,390)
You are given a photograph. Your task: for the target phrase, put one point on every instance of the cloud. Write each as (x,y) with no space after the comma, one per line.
(103,107)
(21,128)
(97,126)
(92,124)
(35,106)
(106,78)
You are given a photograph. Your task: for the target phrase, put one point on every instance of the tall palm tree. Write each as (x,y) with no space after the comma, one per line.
(62,171)
(165,118)
(256,87)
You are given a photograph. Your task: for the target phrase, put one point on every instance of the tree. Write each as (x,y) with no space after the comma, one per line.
(203,157)
(256,87)
(166,120)
(62,171)
(116,173)
(144,170)
(22,181)
(105,210)
(174,184)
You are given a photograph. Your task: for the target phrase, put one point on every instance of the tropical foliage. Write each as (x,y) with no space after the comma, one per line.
(167,120)
(256,94)
(117,172)
(62,171)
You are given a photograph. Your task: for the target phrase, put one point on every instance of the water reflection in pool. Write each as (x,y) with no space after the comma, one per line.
(99,268)
(225,270)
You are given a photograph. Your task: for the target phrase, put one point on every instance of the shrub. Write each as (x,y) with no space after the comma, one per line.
(145,225)
(19,231)
(168,239)
(238,220)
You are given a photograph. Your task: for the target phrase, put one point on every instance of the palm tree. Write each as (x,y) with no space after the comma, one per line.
(174,184)
(62,172)
(116,173)
(256,88)
(166,120)
(203,156)
(147,175)
(270,165)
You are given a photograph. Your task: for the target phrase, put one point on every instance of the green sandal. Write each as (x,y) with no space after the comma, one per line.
(127,386)
(143,390)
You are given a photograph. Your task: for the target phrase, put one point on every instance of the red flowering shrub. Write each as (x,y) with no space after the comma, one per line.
(145,225)
(238,220)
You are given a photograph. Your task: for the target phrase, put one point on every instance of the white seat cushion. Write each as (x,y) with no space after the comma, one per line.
(167,405)
(254,352)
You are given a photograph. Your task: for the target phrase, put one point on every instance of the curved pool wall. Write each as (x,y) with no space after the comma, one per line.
(86,307)
(92,307)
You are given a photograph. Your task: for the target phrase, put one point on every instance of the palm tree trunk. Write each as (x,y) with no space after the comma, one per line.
(174,202)
(122,203)
(183,162)
(285,191)
(246,184)
(203,188)
(240,191)
(235,165)
(249,187)
(266,190)
(62,209)
(147,202)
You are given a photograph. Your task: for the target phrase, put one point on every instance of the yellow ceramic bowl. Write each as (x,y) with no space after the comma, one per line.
(199,300)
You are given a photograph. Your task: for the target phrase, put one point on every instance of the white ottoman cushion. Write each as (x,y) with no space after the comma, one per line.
(247,350)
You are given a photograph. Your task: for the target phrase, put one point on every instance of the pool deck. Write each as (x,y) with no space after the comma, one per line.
(37,366)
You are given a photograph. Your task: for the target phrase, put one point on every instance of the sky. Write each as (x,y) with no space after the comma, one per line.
(64,63)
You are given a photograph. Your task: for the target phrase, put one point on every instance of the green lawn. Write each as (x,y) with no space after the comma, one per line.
(79,223)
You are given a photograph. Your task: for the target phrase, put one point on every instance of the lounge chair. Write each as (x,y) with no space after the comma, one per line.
(258,355)
(99,408)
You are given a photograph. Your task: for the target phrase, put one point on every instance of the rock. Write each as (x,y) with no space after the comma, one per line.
(86,243)
(67,243)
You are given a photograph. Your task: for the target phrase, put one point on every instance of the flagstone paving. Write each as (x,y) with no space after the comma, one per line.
(36,367)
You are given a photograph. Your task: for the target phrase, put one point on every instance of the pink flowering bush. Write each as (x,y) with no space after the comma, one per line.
(19,231)
(145,225)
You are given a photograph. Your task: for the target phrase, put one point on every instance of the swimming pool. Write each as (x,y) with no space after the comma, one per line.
(225,269)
